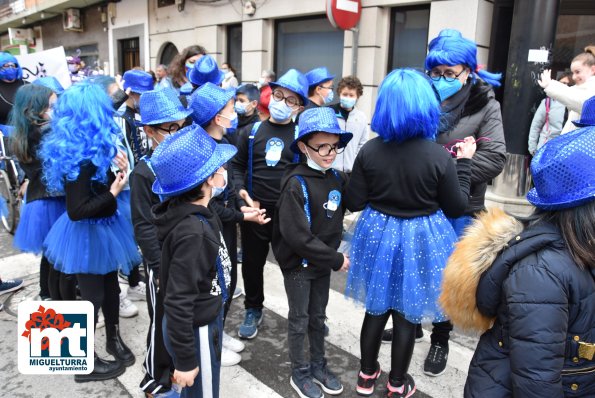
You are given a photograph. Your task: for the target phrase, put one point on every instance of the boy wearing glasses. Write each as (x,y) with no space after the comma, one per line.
(306,247)
(263,153)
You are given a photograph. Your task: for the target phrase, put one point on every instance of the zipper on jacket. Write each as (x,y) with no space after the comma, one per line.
(568,372)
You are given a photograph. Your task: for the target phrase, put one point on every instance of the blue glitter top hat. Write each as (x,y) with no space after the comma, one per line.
(161,106)
(138,81)
(50,82)
(207,101)
(587,114)
(322,119)
(563,171)
(318,75)
(295,81)
(205,70)
(186,159)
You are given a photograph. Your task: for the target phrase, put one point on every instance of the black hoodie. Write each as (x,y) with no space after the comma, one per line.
(188,274)
(293,237)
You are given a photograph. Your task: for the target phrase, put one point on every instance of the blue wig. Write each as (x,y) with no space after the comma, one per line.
(406,107)
(83,129)
(9,58)
(451,48)
(104,81)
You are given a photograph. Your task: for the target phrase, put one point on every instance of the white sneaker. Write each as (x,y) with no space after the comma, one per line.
(138,293)
(100,321)
(232,344)
(229,358)
(238,292)
(127,309)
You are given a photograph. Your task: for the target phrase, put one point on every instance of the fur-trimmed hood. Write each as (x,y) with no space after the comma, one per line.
(484,239)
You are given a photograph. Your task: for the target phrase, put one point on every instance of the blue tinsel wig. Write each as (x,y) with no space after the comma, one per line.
(451,48)
(6,58)
(83,129)
(406,107)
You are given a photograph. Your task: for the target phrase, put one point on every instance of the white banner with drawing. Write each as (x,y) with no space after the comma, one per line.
(46,63)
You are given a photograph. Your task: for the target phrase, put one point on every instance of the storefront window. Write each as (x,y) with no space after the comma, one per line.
(573,34)
(234,49)
(409,37)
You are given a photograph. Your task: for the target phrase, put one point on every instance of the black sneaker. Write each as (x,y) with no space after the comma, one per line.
(435,363)
(366,383)
(387,335)
(406,390)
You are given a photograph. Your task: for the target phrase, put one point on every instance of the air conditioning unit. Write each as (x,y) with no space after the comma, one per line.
(71,20)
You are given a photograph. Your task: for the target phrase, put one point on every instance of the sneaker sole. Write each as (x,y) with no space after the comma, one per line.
(136,298)
(434,374)
(368,392)
(128,315)
(255,333)
(299,392)
(12,289)
(326,389)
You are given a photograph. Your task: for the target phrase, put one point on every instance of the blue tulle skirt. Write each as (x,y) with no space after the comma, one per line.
(123,200)
(397,264)
(459,224)
(37,218)
(92,246)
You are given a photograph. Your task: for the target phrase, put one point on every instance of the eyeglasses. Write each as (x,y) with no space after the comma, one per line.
(328,88)
(449,75)
(174,127)
(326,149)
(8,65)
(290,101)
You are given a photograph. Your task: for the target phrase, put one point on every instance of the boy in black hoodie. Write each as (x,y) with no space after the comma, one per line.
(194,260)
(306,234)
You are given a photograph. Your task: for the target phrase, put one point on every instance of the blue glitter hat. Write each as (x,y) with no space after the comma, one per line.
(161,106)
(205,70)
(50,82)
(318,75)
(564,171)
(138,81)
(295,81)
(186,159)
(207,101)
(322,119)
(587,114)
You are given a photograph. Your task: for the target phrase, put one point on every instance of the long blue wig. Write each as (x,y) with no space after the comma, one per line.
(406,107)
(6,58)
(83,129)
(30,102)
(451,48)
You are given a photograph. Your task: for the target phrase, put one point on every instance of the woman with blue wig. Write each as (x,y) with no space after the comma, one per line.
(92,239)
(11,79)
(406,185)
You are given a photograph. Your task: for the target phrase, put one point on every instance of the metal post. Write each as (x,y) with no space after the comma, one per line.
(355,45)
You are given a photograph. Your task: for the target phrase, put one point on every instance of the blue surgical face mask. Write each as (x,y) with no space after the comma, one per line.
(347,102)
(219,190)
(9,74)
(279,110)
(188,66)
(240,108)
(446,89)
(329,98)
(233,120)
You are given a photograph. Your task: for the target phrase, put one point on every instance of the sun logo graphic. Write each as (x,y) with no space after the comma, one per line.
(56,337)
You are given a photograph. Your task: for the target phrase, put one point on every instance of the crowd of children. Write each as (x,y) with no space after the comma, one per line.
(176,171)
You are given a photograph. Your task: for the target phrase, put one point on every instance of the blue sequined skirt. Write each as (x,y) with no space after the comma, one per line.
(37,218)
(397,264)
(92,246)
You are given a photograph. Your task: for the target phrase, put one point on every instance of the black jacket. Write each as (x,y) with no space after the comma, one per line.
(36,188)
(88,198)
(293,237)
(192,296)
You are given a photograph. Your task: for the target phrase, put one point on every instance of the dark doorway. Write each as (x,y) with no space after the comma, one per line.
(168,53)
(234,49)
(129,53)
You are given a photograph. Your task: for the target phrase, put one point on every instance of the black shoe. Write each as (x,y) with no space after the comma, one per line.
(419,333)
(116,346)
(387,335)
(435,363)
(104,370)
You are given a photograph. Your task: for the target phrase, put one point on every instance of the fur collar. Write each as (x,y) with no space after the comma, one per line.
(484,239)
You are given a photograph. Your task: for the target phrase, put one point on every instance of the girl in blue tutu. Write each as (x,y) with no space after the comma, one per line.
(30,117)
(406,185)
(92,239)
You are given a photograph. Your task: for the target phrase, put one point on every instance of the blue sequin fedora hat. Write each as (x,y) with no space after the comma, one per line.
(138,81)
(186,159)
(587,114)
(322,119)
(161,106)
(564,171)
(207,101)
(50,82)
(318,75)
(205,70)
(295,81)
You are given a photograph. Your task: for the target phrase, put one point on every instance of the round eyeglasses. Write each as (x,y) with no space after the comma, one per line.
(449,75)
(326,149)
(290,101)
(174,127)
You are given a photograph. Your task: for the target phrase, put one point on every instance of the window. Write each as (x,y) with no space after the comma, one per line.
(129,53)
(234,49)
(308,43)
(89,54)
(168,53)
(408,37)
(573,34)
(165,3)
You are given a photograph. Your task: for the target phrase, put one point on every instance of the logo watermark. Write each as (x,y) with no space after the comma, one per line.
(56,337)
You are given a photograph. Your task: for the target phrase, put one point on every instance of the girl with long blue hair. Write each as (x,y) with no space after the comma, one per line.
(92,239)
(406,185)
(30,117)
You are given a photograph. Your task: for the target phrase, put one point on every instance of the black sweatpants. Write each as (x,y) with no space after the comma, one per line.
(230,236)
(104,292)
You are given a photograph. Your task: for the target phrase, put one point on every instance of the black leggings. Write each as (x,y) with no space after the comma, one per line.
(103,291)
(134,277)
(61,286)
(44,272)
(402,345)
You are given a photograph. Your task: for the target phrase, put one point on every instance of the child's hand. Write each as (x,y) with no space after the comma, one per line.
(545,78)
(121,160)
(246,197)
(185,379)
(346,263)
(466,149)
(118,184)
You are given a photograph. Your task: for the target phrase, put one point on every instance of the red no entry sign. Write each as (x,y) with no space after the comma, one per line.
(343,14)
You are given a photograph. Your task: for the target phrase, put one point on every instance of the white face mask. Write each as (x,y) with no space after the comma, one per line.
(313,165)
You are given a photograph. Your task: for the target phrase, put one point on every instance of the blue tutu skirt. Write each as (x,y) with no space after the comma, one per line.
(397,264)
(123,200)
(37,218)
(459,224)
(91,246)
